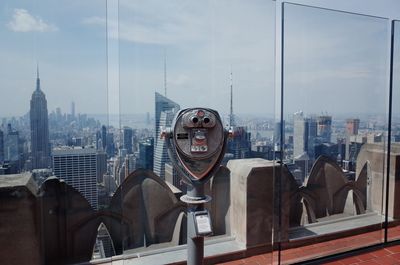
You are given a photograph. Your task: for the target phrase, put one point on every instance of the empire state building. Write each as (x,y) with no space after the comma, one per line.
(40,147)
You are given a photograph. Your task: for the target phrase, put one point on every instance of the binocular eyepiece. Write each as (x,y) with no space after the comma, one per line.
(196,143)
(199,118)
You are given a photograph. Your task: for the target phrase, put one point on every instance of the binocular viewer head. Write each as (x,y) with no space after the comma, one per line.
(196,143)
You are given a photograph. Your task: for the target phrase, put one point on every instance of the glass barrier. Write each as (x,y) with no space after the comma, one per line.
(176,55)
(335,126)
(52,108)
(393,208)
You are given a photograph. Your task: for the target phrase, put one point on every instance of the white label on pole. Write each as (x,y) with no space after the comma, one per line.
(203,224)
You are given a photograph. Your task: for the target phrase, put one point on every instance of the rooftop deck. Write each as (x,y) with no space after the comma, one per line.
(389,254)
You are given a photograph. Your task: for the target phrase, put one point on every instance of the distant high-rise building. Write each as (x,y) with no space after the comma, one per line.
(78,167)
(77,141)
(40,146)
(99,142)
(115,164)
(352,126)
(59,115)
(278,135)
(101,165)
(130,161)
(128,136)
(300,133)
(160,151)
(1,146)
(304,135)
(11,145)
(119,169)
(240,144)
(146,153)
(104,136)
(73,110)
(312,137)
(148,118)
(164,114)
(110,147)
(324,128)
(122,152)
(135,141)
(104,247)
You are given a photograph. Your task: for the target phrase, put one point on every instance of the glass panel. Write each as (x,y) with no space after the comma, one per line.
(184,54)
(335,95)
(394,192)
(53,104)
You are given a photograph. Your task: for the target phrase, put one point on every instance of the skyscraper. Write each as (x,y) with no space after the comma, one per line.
(146,154)
(128,135)
(101,157)
(104,137)
(40,146)
(304,135)
(240,144)
(324,128)
(79,168)
(11,145)
(148,118)
(1,146)
(165,111)
(312,137)
(278,134)
(110,147)
(300,132)
(73,110)
(160,151)
(352,126)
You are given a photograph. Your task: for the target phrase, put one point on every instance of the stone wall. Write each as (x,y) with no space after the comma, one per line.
(255,201)
(374,156)
(19,221)
(54,224)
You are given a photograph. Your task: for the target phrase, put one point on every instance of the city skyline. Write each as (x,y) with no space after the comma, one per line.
(306,139)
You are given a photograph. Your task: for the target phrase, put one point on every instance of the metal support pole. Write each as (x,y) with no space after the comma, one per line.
(195,243)
(196,145)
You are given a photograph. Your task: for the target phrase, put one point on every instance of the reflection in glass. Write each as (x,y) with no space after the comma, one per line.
(335,126)
(394,210)
(54,81)
(173,56)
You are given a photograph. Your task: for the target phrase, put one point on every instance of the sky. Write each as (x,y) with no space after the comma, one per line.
(334,62)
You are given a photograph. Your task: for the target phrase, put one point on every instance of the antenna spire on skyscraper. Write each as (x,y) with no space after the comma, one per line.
(231,116)
(37,77)
(165,72)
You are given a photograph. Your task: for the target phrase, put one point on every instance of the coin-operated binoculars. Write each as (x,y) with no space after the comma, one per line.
(196,145)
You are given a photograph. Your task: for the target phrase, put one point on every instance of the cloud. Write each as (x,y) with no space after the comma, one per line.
(22,21)
(167,33)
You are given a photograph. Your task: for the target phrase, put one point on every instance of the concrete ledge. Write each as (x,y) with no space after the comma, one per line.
(335,226)
(214,246)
